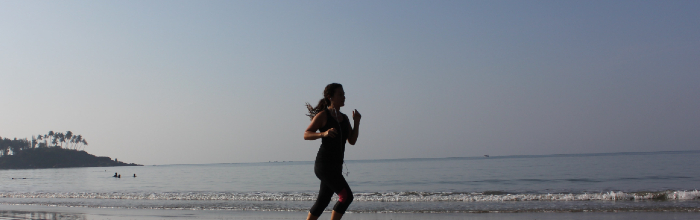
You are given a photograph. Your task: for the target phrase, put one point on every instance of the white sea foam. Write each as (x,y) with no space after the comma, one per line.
(372,197)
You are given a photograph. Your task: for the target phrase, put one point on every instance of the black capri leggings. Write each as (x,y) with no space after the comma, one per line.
(332,183)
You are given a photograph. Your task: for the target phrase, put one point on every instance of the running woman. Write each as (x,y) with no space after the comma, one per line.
(335,130)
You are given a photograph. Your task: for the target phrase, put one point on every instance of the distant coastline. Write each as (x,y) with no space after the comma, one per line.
(51,150)
(55,157)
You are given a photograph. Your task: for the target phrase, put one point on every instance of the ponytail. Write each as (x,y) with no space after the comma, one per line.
(324,102)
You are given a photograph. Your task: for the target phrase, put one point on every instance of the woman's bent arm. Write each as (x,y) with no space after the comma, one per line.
(318,122)
(352,139)
(308,135)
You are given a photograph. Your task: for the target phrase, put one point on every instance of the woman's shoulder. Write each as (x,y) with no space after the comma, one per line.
(321,115)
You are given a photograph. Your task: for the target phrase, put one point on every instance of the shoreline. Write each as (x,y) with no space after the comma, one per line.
(50,212)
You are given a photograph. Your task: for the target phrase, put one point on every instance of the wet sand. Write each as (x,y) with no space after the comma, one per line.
(52,212)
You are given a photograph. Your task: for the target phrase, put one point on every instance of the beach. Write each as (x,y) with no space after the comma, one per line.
(582,186)
(53,212)
(376,109)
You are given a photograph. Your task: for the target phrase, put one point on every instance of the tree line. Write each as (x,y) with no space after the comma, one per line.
(52,139)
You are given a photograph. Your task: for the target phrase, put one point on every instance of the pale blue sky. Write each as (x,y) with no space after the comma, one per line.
(163,82)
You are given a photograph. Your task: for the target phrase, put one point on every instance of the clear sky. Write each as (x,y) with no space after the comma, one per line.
(177,82)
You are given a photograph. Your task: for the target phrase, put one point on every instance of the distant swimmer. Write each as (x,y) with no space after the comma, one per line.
(119,176)
(115,175)
(134,175)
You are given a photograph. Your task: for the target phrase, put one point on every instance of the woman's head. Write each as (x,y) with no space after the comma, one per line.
(332,94)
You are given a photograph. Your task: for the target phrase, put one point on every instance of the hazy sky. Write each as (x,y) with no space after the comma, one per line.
(169,82)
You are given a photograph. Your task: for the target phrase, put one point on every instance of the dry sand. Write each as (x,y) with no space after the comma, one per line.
(50,212)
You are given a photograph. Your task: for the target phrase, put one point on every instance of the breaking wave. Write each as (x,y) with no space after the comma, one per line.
(494,196)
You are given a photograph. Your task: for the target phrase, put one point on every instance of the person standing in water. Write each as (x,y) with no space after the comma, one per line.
(335,130)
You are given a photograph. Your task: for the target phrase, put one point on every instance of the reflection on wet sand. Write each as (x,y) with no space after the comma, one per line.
(21,215)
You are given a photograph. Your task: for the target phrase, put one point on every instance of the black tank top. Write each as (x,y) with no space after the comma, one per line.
(332,150)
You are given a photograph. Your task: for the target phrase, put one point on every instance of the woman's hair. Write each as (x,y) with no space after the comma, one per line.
(325,101)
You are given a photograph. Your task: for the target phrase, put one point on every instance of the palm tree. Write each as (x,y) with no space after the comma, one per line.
(54,141)
(46,140)
(61,138)
(33,142)
(24,144)
(71,142)
(38,140)
(53,136)
(15,146)
(75,142)
(69,135)
(84,143)
(78,140)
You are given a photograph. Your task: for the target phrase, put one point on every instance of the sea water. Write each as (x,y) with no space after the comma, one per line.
(649,181)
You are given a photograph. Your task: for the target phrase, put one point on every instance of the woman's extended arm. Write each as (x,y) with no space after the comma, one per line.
(318,122)
(352,139)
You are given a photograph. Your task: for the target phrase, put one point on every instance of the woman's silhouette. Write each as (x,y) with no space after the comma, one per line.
(335,130)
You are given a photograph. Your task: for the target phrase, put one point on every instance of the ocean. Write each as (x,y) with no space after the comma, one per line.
(642,181)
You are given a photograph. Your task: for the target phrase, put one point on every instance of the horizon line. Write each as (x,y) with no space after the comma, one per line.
(434,158)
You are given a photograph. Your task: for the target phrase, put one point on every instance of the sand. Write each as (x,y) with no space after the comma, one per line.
(52,212)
